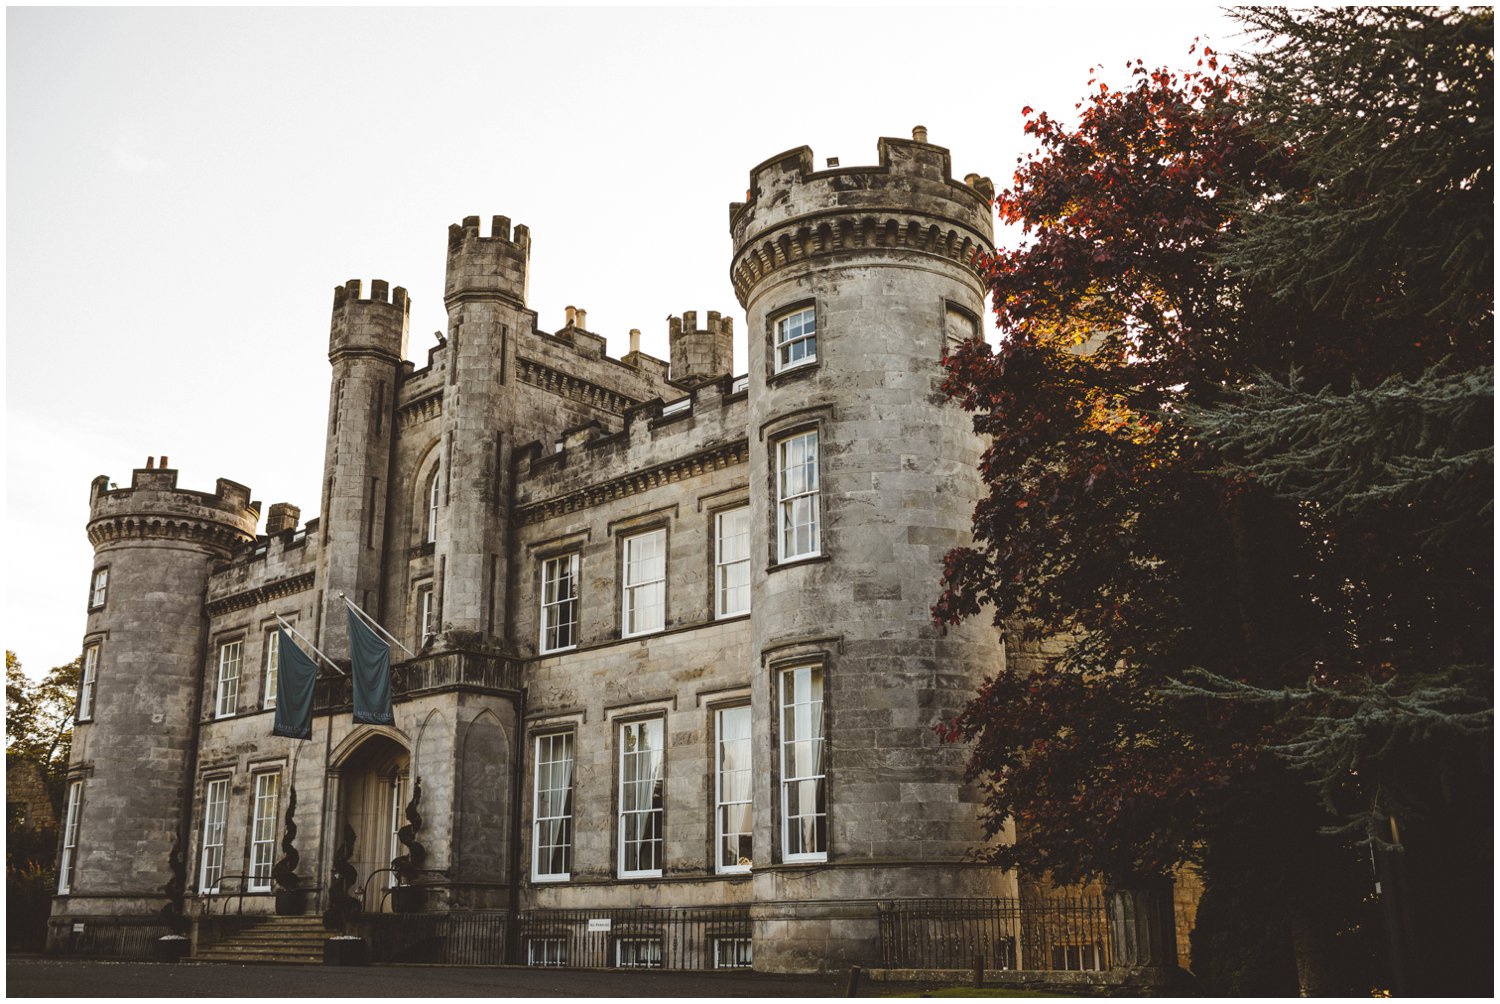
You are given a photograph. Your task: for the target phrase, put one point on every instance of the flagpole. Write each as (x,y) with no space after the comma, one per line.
(375,625)
(320,655)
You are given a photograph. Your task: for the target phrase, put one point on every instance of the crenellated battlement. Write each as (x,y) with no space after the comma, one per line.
(909,201)
(153,507)
(487,267)
(586,459)
(700,354)
(346,297)
(374,326)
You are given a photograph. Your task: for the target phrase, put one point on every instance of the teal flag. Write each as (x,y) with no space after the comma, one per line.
(295,674)
(372,675)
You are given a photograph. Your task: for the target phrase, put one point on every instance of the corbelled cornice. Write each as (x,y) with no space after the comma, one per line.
(571,387)
(821,235)
(261,594)
(219,538)
(714,458)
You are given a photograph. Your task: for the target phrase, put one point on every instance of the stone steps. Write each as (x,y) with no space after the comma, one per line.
(297,940)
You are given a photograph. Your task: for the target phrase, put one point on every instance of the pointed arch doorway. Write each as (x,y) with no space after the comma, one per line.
(374,781)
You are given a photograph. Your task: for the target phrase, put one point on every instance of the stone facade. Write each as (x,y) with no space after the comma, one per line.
(591,563)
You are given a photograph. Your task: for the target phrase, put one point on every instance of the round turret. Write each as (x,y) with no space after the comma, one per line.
(862,477)
(144,656)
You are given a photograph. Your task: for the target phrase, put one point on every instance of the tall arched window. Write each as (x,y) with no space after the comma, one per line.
(430,534)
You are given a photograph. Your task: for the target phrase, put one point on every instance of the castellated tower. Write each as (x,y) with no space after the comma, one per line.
(699,356)
(366,346)
(135,744)
(485,293)
(861,478)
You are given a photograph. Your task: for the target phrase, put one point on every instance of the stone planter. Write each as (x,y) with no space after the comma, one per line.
(346,952)
(291,902)
(408,899)
(170,948)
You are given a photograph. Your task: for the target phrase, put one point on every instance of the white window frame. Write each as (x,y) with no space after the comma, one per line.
(434,496)
(553,608)
(68,863)
(719,802)
(656,729)
(741,950)
(272,666)
(793,335)
(100,592)
(638,941)
(88,682)
(426,611)
(398,810)
(227,695)
(637,592)
(789,493)
(789,737)
(736,566)
(553,955)
(263,830)
(552,750)
(215,813)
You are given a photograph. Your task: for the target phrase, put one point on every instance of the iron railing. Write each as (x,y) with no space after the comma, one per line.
(693,938)
(105,940)
(426,674)
(1053,934)
(238,888)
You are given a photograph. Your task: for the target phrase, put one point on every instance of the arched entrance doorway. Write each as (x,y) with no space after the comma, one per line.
(374,787)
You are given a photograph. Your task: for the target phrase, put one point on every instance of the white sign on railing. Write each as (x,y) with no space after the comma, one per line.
(599,925)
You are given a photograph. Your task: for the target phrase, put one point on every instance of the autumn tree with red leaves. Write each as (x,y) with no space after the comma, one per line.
(1219,452)
(1102,526)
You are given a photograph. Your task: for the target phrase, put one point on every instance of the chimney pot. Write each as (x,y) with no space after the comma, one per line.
(149,462)
(919,133)
(583,318)
(571,311)
(635,340)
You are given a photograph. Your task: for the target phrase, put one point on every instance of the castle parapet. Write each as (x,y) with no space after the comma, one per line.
(487,267)
(908,203)
(700,354)
(376,326)
(154,508)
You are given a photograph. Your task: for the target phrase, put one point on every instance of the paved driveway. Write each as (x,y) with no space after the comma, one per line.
(26,977)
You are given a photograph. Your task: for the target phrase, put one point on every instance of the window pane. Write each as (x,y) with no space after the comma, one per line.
(559,603)
(645,569)
(803,794)
(552,817)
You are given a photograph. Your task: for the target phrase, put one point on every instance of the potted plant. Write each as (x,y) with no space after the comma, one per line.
(343,949)
(407,897)
(291,901)
(176,945)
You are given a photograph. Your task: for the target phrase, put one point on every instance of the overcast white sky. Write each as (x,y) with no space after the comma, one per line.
(186,187)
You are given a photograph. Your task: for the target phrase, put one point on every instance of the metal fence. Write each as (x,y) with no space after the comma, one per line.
(105,940)
(1054,934)
(641,938)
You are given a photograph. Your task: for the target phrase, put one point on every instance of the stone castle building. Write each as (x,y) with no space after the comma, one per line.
(668,627)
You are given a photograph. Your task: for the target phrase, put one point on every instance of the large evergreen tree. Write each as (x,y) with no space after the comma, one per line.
(1216,451)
